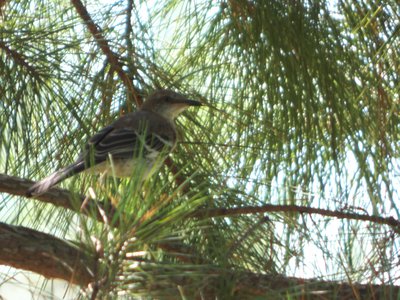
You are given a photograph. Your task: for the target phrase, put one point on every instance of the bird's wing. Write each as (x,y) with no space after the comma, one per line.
(95,139)
(124,143)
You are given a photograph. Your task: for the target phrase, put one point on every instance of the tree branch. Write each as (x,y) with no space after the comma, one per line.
(105,47)
(51,257)
(260,284)
(248,285)
(44,254)
(19,186)
(225,212)
(17,57)
(57,197)
(63,198)
(2,5)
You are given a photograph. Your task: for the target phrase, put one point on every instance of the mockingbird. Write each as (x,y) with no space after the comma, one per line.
(142,137)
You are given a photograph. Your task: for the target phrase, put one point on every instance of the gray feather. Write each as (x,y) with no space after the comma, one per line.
(45,184)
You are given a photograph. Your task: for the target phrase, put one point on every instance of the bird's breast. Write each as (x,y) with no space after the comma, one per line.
(143,167)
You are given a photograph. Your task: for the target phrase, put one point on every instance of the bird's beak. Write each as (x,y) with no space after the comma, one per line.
(189,102)
(179,105)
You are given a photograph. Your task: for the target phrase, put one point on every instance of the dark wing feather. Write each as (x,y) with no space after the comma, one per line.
(95,139)
(123,143)
(158,142)
(120,143)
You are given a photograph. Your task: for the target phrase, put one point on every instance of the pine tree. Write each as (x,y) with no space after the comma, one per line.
(283,186)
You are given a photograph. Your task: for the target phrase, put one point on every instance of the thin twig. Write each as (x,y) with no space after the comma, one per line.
(226,212)
(2,5)
(19,59)
(128,35)
(105,47)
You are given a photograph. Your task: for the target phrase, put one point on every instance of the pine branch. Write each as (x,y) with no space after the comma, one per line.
(63,198)
(225,212)
(2,5)
(19,186)
(51,257)
(55,196)
(31,250)
(19,58)
(105,47)
(259,284)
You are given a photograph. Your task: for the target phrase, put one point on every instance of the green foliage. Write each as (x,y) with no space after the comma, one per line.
(302,108)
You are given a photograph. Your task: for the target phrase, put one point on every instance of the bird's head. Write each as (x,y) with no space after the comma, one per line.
(168,103)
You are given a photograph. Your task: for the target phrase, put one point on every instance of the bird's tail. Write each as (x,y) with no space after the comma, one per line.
(45,184)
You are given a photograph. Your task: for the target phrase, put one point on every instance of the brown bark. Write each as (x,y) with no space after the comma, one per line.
(298,288)
(44,254)
(225,212)
(63,198)
(51,257)
(18,186)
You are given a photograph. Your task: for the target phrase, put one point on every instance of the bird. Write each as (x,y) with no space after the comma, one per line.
(141,138)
